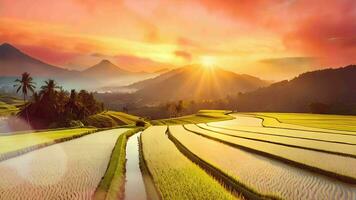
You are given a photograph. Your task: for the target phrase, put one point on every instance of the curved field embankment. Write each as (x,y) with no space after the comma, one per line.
(15,145)
(317,121)
(298,134)
(225,179)
(338,167)
(175,176)
(261,174)
(314,145)
(68,170)
(112,184)
(273,122)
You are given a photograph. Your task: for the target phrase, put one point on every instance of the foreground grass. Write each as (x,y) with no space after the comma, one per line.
(110,119)
(112,184)
(203,116)
(332,122)
(175,176)
(68,170)
(11,143)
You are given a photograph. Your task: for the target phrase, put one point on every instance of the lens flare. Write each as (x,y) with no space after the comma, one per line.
(208,61)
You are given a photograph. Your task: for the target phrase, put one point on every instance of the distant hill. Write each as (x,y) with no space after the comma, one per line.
(195,82)
(106,69)
(14,62)
(111,77)
(334,89)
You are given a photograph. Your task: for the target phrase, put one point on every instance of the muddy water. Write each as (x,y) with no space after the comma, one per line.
(135,187)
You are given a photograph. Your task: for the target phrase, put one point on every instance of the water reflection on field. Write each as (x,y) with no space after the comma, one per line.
(135,187)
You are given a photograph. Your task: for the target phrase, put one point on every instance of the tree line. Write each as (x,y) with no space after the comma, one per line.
(52,106)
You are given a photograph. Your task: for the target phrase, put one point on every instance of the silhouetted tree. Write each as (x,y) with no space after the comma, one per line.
(49,89)
(180,107)
(172,109)
(25,84)
(53,106)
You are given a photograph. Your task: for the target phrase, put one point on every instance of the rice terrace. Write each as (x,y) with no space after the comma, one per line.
(178,100)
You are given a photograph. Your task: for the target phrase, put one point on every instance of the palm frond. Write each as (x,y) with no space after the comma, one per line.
(18,89)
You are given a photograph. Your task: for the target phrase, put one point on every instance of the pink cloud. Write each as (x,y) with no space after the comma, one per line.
(322,28)
(51,56)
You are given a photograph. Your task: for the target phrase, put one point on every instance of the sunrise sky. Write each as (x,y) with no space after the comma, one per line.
(272,39)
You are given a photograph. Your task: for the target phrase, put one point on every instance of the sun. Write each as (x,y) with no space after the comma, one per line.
(208,61)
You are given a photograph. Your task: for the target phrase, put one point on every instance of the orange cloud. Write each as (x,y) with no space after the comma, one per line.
(238,33)
(323,28)
(184,55)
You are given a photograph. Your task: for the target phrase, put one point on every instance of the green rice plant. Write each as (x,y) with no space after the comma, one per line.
(110,119)
(316,145)
(203,116)
(68,170)
(261,174)
(124,117)
(112,184)
(336,166)
(12,143)
(175,176)
(235,125)
(7,109)
(341,123)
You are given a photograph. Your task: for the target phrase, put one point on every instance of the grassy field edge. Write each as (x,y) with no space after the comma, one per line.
(112,185)
(264,118)
(282,144)
(343,178)
(230,183)
(152,191)
(264,133)
(11,154)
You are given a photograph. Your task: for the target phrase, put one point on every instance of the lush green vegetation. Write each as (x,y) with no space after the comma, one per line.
(6,109)
(9,105)
(175,176)
(54,107)
(20,142)
(332,122)
(112,184)
(203,116)
(332,165)
(110,119)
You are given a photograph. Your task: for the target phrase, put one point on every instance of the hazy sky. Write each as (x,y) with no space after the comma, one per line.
(272,39)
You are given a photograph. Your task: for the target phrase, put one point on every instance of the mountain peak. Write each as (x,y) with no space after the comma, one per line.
(106,61)
(6,47)
(105,68)
(5,44)
(14,62)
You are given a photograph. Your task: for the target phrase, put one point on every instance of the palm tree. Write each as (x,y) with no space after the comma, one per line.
(25,84)
(49,88)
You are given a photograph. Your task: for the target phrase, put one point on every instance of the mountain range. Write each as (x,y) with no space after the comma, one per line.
(333,89)
(13,62)
(195,82)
